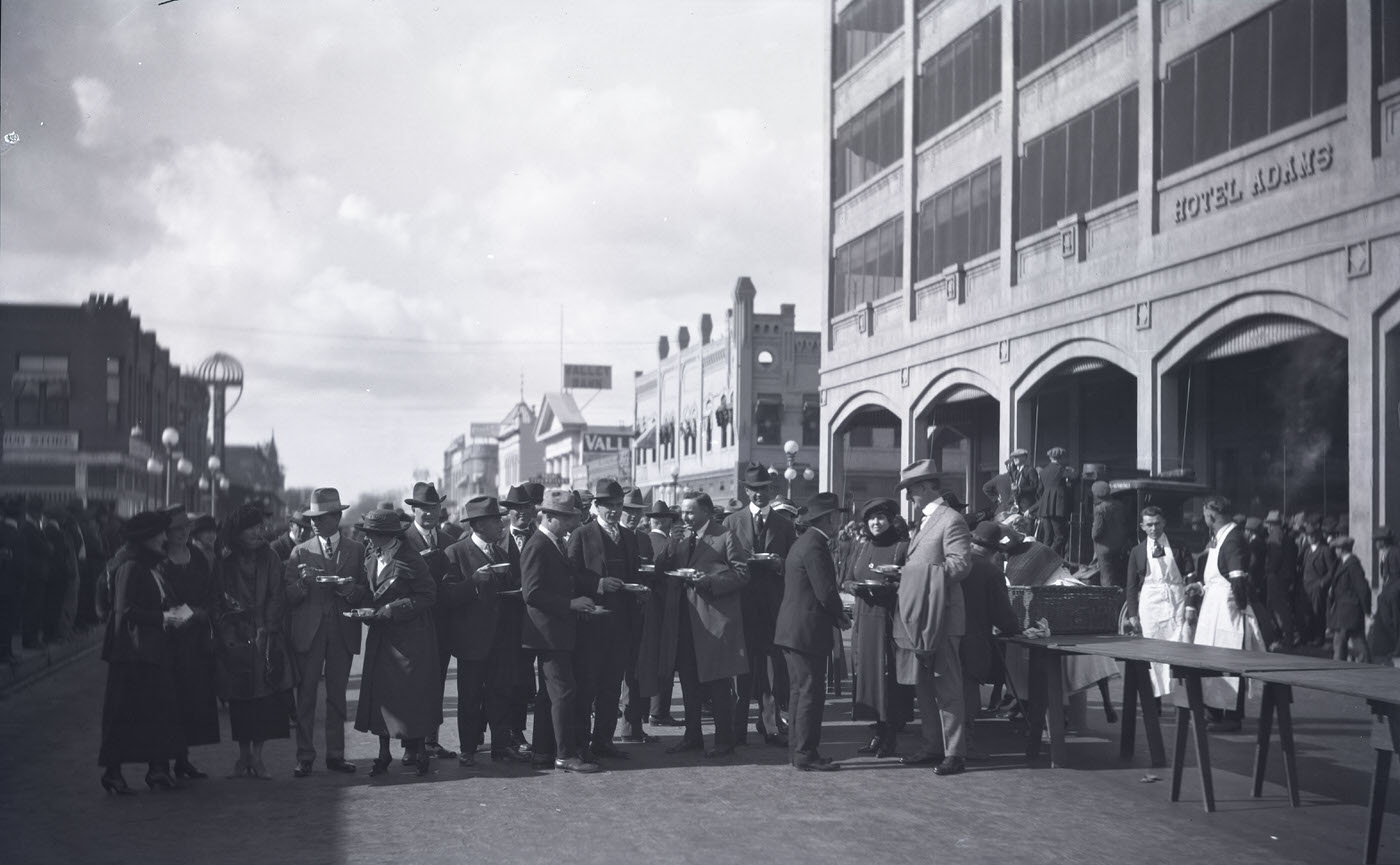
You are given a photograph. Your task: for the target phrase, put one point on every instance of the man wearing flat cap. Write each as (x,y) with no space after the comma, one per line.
(929,620)
(1110,535)
(322,639)
(1056,498)
(479,569)
(426,539)
(809,613)
(1025,482)
(604,558)
(759,529)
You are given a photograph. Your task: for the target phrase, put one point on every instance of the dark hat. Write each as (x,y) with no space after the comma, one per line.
(889,507)
(178,517)
(516,498)
(733,505)
(246,516)
(299,518)
(950,499)
(1056,453)
(608,492)
(1020,452)
(1342,542)
(387,505)
(633,500)
(1252,523)
(535,491)
(559,501)
(203,523)
(425,495)
(819,506)
(757,476)
(381,521)
(1273,518)
(481,507)
(919,470)
(325,500)
(781,504)
(659,511)
(1383,533)
(988,534)
(145,525)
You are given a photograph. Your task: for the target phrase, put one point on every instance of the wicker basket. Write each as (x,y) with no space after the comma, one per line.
(1068,609)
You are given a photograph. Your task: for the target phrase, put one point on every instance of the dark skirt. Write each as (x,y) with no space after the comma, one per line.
(261,718)
(194,689)
(140,715)
(877,695)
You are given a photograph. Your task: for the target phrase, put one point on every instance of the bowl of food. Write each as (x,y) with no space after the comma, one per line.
(765,557)
(873,584)
(646,568)
(332,580)
(886,571)
(359,613)
(686,573)
(634,587)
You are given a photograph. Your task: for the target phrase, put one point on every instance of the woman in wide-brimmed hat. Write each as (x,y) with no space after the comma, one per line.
(192,642)
(253,674)
(140,717)
(883,539)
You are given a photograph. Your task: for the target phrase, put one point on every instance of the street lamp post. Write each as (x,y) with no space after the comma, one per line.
(675,483)
(790,449)
(213,481)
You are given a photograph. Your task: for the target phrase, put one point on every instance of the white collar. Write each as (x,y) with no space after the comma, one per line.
(481,542)
(755,509)
(425,533)
(551,535)
(932,506)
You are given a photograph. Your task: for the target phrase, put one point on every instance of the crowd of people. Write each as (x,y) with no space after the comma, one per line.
(588,606)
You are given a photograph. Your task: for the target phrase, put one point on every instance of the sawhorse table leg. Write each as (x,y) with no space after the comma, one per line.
(1380,778)
(1186,718)
(1277,698)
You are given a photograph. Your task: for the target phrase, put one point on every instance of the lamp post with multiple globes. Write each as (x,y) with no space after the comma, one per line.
(790,449)
(213,482)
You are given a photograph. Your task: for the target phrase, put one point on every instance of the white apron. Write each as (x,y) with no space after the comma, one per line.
(1221,626)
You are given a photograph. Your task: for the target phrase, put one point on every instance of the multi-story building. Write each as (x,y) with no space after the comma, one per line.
(734,397)
(1162,234)
(470,468)
(575,451)
(256,475)
(519,457)
(90,394)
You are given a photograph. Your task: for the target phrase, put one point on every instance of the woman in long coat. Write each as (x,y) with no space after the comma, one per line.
(140,717)
(877,694)
(186,572)
(254,676)
(400,686)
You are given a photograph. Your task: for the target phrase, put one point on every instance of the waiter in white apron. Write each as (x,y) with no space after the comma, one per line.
(1226,618)
(1159,583)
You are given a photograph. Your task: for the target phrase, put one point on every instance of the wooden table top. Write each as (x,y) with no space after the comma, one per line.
(1369,681)
(1213,658)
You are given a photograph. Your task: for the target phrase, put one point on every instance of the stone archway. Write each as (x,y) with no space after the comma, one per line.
(865,452)
(956,422)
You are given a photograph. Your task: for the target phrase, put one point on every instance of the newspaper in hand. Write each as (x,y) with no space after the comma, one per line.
(179,615)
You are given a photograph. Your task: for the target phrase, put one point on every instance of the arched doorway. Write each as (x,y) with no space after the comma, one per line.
(1261,416)
(959,431)
(865,455)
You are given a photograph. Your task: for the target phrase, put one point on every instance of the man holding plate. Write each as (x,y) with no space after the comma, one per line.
(427,539)
(479,570)
(321,573)
(766,536)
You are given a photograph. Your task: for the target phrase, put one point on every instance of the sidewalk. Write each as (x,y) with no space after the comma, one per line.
(30,665)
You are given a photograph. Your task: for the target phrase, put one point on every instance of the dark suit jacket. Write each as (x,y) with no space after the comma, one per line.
(587,556)
(311,605)
(282,545)
(763,595)
(547,585)
(473,613)
(1318,566)
(38,552)
(998,489)
(1056,499)
(716,614)
(1110,529)
(811,598)
(1138,561)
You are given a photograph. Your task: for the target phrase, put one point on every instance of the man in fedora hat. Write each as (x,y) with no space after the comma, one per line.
(1056,501)
(298,530)
(639,678)
(478,569)
(604,557)
(323,641)
(811,607)
(1280,580)
(552,607)
(703,628)
(426,538)
(929,620)
(759,529)
(655,661)
(519,504)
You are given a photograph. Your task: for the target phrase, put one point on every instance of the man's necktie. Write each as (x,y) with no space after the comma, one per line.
(690,548)
(1157,551)
(758,526)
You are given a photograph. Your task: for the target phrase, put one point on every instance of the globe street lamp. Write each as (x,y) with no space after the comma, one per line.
(790,449)
(213,481)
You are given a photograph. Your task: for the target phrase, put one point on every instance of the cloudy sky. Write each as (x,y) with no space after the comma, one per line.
(381,208)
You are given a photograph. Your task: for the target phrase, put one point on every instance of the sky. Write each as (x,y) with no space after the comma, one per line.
(385,209)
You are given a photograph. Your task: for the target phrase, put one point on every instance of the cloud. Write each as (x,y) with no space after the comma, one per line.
(356,209)
(96,109)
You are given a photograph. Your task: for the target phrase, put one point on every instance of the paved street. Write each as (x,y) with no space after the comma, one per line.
(659,809)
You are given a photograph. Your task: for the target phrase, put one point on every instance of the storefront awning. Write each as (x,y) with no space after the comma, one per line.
(1253,335)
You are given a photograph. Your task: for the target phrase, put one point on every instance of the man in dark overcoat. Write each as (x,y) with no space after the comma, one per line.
(426,538)
(1056,498)
(1110,536)
(298,531)
(811,609)
(760,529)
(655,661)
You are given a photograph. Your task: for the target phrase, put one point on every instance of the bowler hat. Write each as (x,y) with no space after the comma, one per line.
(1384,533)
(608,492)
(481,507)
(300,518)
(425,495)
(633,500)
(889,507)
(1056,453)
(535,490)
(381,521)
(757,476)
(145,525)
(660,511)
(559,501)
(325,500)
(819,506)
(516,498)
(919,470)
(988,534)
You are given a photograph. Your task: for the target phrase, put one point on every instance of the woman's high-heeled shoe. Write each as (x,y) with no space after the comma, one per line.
(872,746)
(380,766)
(889,744)
(259,771)
(186,769)
(115,785)
(160,779)
(240,769)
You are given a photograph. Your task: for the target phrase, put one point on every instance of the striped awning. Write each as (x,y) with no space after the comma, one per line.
(1253,335)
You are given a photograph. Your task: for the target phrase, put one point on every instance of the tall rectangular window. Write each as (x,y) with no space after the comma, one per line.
(869,267)
(768,419)
(1047,28)
(41,390)
(868,143)
(1385,38)
(114,391)
(1280,67)
(811,420)
(961,76)
(1087,162)
(862,27)
(961,221)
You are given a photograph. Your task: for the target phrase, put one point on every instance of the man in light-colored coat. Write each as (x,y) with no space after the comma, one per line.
(930,621)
